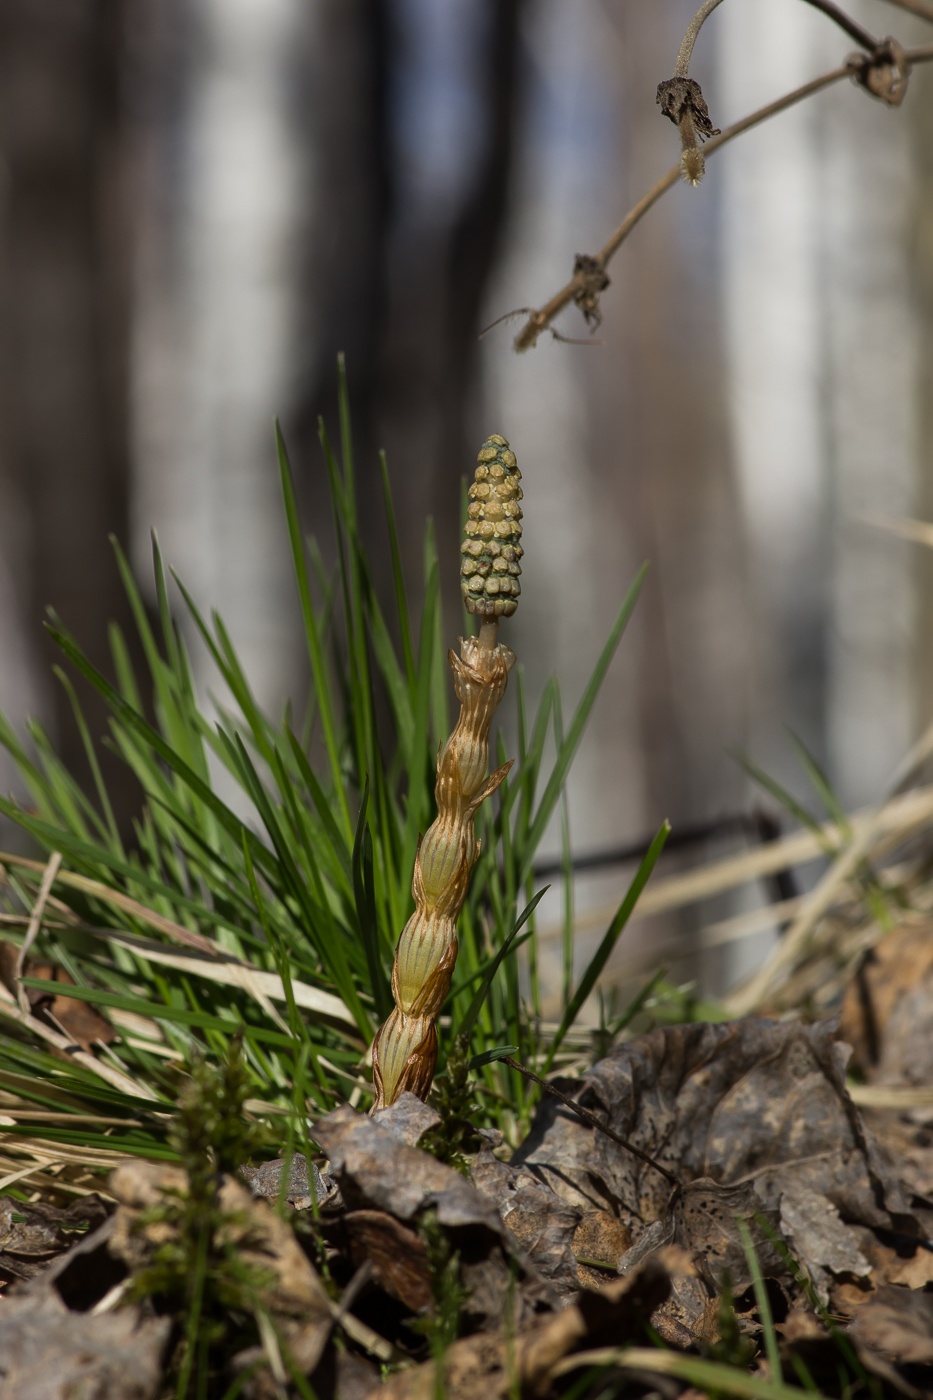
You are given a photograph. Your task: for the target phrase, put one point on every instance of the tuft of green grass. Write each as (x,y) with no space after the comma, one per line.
(268,874)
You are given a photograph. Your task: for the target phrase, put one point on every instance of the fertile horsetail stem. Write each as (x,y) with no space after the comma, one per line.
(405,1048)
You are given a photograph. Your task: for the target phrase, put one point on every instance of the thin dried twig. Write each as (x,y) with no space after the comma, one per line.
(592,1121)
(578,286)
(901,817)
(35,923)
(682,66)
(756,991)
(855,30)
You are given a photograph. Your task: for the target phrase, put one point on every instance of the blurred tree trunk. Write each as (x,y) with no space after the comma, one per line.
(440,274)
(64,277)
(393,285)
(344,291)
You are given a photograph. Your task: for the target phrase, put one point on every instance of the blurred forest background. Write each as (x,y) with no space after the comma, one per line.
(203,201)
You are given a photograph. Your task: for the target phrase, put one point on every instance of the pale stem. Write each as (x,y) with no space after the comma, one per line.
(682,66)
(488,633)
(855,30)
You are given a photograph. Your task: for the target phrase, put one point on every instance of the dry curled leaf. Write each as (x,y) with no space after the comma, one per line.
(266,1181)
(753,1107)
(396,1254)
(898,1323)
(49,1353)
(81,1020)
(887,1009)
(32,1234)
(377,1171)
(491,1366)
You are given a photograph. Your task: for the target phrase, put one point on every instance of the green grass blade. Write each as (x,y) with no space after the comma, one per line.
(312,634)
(788,802)
(610,938)
(708,1377)
(581,715)
(818,778)
(465,1028)
(398,577)
(625,1018)
(761,1299)
(366,912)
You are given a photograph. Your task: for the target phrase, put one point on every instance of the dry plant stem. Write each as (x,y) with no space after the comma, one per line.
(405,1047)
(851,27)
(682,66)
(541,319)
(35,923)
(592,1121)
(817,903)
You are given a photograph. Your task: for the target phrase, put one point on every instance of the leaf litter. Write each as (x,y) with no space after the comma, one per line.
(787,1203)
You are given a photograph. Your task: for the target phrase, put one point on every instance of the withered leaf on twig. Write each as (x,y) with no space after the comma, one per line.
(678,96)
(884,73)
(593,279)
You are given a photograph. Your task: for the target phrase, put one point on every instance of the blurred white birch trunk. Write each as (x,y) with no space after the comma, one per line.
(822,342)
(215,334)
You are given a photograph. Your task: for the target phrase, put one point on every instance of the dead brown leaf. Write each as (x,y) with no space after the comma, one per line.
(266,1181)
(376,1170)
(887,1010)
(397,1254)
(601,1236)
(32,1234)
(295,1297)
(490,1366)
(544,1224)
(752,1115)
(898,1323)
(49,1353)
(408,1118)
(80,1020)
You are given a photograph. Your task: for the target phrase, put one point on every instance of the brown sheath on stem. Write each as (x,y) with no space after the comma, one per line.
(405,1048)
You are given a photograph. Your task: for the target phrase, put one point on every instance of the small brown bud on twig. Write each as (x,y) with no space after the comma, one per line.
(593,279)
(883,73)
(682,101)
